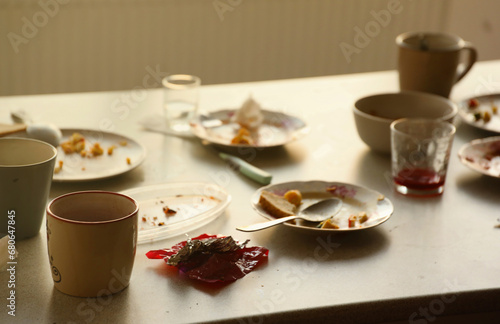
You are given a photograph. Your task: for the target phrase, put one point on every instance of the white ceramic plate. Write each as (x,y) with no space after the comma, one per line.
(193,205)
(78,168)
(356,200)
(277,129)
(482,155)
(485,104)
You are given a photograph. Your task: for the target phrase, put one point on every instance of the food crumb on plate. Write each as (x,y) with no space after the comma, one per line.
(59,167)
(328,224)
(294,197)
(111,149)
(168,211)
(96,149)
(473,103)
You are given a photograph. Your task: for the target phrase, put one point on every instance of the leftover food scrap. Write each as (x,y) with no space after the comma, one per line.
(169,212)
(294,197)
(473,103)
(482,112)
(75,144)
(212,258)
(78,144)
(249,117)
(353,221)
(155,221)
(360,218)
(328,224)
(276,205)
(280,206)
(243,137)
(59,167)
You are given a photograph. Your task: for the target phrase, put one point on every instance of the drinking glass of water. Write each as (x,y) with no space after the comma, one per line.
(180,104)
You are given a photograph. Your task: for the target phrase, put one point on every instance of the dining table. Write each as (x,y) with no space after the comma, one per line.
(434,258)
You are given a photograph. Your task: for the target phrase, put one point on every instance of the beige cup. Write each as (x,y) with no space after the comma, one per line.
(430,62)
(91,240)
(26,169)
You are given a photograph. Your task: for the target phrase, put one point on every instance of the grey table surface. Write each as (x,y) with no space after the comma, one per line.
(435,256)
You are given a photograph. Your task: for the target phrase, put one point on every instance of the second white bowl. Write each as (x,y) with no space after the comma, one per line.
(374,114)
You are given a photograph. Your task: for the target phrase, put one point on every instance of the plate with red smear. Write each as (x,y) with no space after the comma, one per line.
(171,209)
(482,155)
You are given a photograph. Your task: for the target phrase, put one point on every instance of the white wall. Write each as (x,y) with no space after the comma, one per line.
(93,45)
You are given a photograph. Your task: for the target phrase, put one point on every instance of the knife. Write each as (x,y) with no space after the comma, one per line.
(247,169)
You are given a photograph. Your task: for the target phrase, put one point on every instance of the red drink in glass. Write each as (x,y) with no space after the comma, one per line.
(419,182)
(420,151)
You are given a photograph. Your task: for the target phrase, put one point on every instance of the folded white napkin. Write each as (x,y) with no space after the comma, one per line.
(157,123)
(249,115)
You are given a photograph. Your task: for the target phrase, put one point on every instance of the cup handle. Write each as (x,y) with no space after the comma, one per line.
(472,57)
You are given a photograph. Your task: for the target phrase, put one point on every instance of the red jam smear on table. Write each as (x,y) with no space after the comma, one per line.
(215,266)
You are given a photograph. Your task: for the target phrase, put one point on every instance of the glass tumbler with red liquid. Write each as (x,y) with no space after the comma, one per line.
(420,153)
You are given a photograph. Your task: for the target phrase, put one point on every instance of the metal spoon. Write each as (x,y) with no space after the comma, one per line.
(317,212)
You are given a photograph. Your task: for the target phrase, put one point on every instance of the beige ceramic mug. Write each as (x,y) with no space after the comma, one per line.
(430,62)
(26,169)
(91,240)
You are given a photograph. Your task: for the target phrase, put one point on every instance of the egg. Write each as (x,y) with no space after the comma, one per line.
(45,132)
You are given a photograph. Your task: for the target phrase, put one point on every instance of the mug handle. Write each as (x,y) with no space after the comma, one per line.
(470,62)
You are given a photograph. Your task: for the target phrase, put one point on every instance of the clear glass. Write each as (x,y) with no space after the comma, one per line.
(180,105)
(420,151)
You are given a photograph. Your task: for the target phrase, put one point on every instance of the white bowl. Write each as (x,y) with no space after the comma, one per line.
(374,114)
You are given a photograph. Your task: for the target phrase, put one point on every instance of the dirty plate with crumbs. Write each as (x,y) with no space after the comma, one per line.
(171,209)
(362,208)
(120,154)
(482,112)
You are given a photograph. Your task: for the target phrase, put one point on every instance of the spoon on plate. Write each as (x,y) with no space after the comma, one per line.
(317,212)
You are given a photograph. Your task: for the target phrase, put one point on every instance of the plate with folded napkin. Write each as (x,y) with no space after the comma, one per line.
(248,126)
